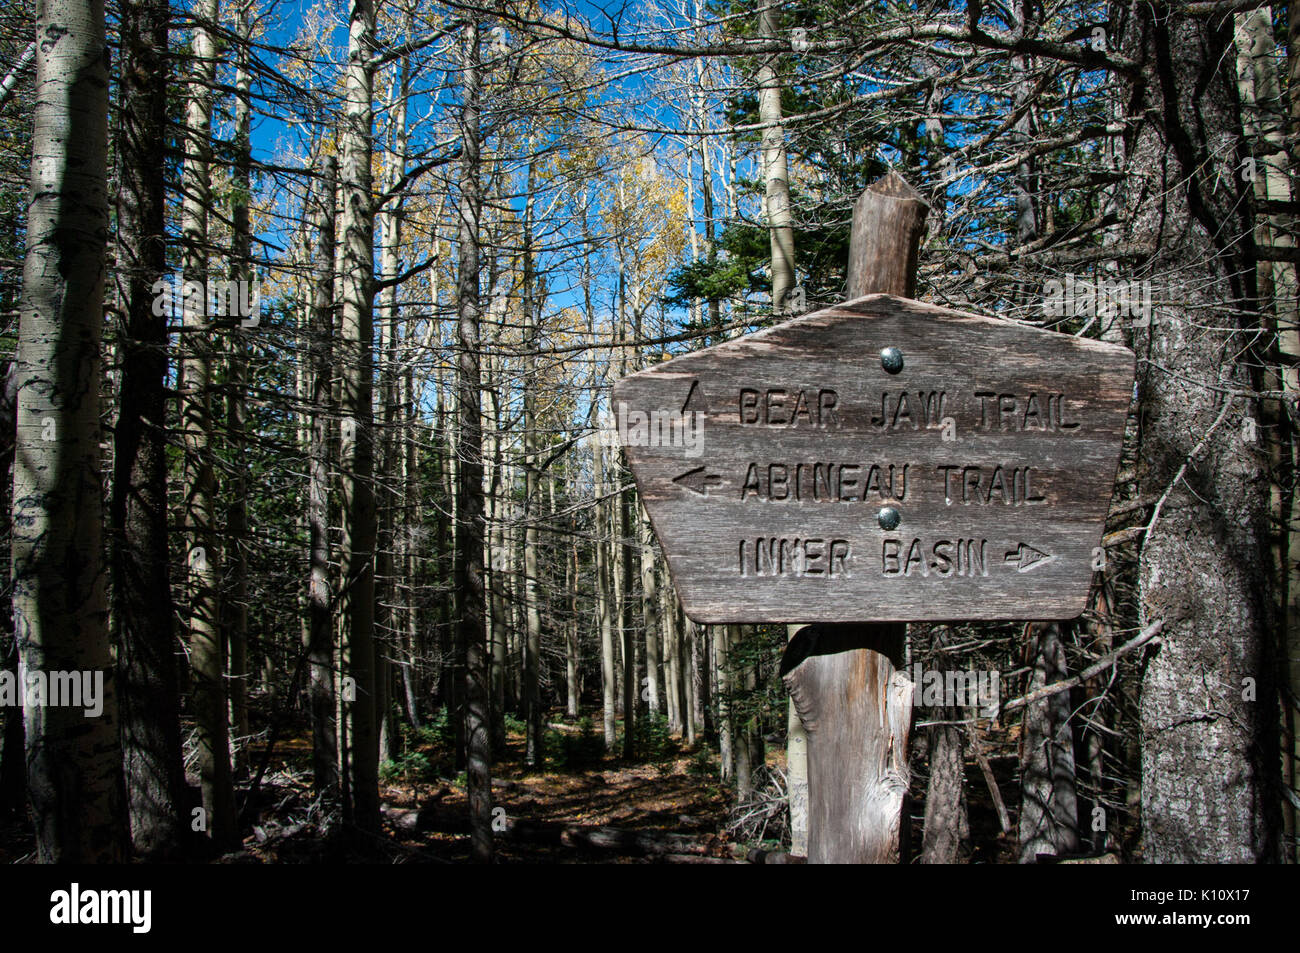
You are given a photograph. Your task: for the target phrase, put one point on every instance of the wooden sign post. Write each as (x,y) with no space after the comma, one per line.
(874,463)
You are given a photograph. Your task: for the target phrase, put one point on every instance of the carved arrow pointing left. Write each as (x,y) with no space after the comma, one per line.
(699,482)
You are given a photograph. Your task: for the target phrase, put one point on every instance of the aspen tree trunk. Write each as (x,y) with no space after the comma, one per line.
(357,446)
(206,656)
(692,234)
(532,537)
(726,724)
(532,692)
(387,616)
(440,566)
(320,634)
(451,678)
(340,620)
(74,762)
(746,752)
(234,616)
(699,707)
(689,675)
(625,539)
(452,649)
(672,651)
(496,619)
(571,646)
(14,76)
(13,760)
(1210,779)
(612,513)
(413,512)
(390,219)
(621,531)
(710,247)
(147,677)
(471,634)
(757,743)
(776,176)
(604,584)
(650,611)
(514,580)
(685,646)
(699,118)
(497,560)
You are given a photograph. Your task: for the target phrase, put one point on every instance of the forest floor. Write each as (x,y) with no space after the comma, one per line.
(613,811)
(669,806)
(581,807)
(668,809)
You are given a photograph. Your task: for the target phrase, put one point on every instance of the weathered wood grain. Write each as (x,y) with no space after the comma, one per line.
(888,222)
(857,710)
(755,463)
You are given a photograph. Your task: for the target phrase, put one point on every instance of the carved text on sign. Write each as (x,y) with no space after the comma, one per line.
(813,483)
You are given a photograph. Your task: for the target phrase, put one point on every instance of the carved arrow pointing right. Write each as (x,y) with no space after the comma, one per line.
(1026,557)
(699,482)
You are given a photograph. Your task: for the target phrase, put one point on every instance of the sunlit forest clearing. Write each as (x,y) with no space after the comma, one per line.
(329,537)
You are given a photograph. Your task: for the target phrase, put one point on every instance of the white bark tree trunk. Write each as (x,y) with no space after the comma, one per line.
(776,175)
(74,762)
(320,596)
(471,633)
(207,659)
(356,449)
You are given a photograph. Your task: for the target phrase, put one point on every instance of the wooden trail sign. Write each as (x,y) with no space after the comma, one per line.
(880,460)
(726,445)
